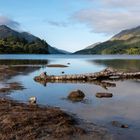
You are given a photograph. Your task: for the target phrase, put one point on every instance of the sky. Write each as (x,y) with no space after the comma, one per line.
(70,24)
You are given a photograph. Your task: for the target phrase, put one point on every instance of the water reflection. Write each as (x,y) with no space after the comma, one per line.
(124,65)
(103,84)
(15,62)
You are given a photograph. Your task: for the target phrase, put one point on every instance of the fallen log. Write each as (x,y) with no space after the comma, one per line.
(107,74)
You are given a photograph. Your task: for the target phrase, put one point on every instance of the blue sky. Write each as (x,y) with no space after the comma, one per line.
(70,24)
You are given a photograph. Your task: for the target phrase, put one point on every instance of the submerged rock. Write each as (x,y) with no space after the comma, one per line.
(11,87)
(118,124)
(4,90)
(57,65)
(77,95)
(104,95)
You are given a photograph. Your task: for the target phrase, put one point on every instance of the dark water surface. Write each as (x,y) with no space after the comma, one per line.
(123,107)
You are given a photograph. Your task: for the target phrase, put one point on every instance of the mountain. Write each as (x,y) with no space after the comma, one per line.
(7,32)
(127,34)
(93,45)
(87,49)
(12,41)
(125,42)
(53,50)
(29,37)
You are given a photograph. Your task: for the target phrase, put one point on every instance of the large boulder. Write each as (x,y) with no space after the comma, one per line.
(77,95)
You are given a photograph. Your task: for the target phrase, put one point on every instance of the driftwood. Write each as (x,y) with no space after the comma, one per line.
(107,74)
(98,78)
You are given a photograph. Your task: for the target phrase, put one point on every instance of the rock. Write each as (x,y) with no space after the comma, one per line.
(57,65)
(76,95)
(11,87)
(43,75)
(63,72)
(32,100)
(37,78)
(31,122)
(15,86)
(124,126)
(104,95)
(114,77)
(118,124)
(4,90)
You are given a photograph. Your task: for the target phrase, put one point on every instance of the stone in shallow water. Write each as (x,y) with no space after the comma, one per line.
(4,90)
(57,65)
(104,95)
(77,95)
(119,124)
(32,100)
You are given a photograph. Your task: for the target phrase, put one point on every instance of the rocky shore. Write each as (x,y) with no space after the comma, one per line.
(34,122)
(31,121)
(20,120)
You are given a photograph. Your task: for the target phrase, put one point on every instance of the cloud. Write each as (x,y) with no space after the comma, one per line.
(110,16)
(121,3)
(9,22)
(57,24)
(118,3)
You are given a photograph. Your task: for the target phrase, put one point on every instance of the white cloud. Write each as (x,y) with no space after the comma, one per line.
(121,3)
(118,3)
(9,22)
(111,16)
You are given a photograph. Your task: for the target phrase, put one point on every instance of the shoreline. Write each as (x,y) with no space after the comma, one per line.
(20,120)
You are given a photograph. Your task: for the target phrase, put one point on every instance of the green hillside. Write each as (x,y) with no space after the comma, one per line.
(13,42)
(126,42)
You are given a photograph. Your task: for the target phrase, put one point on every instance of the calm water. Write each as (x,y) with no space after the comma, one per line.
(124,106)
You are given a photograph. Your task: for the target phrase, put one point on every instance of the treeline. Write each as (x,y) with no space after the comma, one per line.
(12,44)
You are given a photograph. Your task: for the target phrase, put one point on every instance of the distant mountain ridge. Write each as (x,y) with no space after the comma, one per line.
(127,34)
(53,50)
(87,49)
(93,45)
(12,41)
(7,32)
(125,42)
